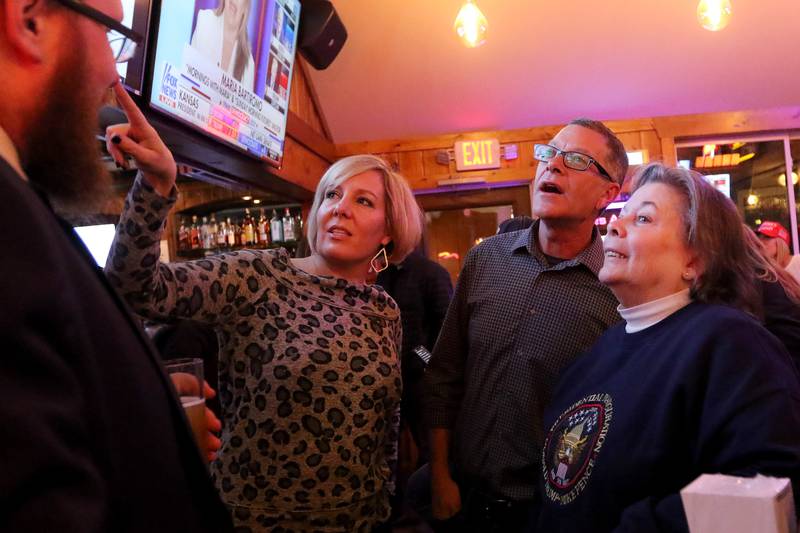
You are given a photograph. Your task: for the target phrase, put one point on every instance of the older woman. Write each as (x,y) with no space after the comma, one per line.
(689,384)
(309,366)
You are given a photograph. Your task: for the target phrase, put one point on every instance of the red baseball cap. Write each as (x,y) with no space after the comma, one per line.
(773,229)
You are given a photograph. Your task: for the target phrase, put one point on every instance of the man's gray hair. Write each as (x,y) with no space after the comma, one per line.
(617,157)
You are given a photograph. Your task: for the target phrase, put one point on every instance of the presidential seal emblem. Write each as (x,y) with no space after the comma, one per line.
(572,446)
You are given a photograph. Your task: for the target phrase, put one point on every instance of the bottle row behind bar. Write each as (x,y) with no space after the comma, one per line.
(228,231)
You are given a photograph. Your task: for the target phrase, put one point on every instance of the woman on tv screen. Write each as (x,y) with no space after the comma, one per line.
(221,36)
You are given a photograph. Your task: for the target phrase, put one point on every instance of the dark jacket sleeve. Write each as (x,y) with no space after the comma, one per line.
(747,403)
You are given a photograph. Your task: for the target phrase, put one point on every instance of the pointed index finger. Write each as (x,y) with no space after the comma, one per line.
(135,116)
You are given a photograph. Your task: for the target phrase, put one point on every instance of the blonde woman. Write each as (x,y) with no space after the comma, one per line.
(221,36)
(309,352)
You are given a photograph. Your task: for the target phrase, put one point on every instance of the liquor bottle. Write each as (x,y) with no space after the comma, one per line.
(194,234)
(288,226)
(276,228)
(239,233)
(222,235)
(230,234)
(213,229)
(298,227)
(263,230)
(183,236)
(254,222)
(204,240)
(249,234)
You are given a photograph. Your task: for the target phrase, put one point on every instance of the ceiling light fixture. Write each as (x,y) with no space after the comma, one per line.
(471,25)
(714,15)
(782,179)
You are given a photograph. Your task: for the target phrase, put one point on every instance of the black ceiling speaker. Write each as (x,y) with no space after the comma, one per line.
(322,33)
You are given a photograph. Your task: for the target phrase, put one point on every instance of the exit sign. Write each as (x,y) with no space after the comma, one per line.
(477,155)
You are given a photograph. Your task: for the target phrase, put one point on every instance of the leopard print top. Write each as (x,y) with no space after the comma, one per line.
(309,374)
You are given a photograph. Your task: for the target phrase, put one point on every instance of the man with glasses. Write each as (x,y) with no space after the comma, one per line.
(93,438)
(526,304)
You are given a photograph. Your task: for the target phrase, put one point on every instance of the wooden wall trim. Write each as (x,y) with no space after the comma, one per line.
(726,123)
(416,158)
(668,153)
(504,136)
(301,166)
(305,135)
(312,91)
(669,127)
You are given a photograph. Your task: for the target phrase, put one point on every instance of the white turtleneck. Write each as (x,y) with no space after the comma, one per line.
(650,313)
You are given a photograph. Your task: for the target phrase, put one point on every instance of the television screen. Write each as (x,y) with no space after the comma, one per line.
(225,66)
(136,16)
(98,240)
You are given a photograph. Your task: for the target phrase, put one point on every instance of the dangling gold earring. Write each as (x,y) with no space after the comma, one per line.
(380,255)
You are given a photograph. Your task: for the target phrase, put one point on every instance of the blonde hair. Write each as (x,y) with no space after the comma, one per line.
(782,253)
(403,215)
(243,50)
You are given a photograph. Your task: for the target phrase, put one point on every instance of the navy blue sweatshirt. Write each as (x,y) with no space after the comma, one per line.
(641,415)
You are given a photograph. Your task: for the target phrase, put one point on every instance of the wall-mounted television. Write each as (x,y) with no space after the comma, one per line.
(136,16)
(225,67)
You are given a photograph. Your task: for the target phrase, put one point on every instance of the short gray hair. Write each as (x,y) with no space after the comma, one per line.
(403,215)
(617,156)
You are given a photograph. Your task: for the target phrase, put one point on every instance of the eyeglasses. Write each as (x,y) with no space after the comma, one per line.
(122,40)
(573,160)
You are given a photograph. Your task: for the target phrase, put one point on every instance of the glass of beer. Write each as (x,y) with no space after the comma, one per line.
(187,377)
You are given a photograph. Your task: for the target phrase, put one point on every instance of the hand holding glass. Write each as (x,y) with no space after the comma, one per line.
(187,377)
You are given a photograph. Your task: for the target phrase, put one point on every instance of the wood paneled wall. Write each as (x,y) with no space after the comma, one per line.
(308,150)
(303,100)
(416,158)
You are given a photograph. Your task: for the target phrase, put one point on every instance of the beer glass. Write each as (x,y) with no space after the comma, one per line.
(187,377)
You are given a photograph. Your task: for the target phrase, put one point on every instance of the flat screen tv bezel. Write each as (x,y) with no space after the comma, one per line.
(146,93)
(142,52)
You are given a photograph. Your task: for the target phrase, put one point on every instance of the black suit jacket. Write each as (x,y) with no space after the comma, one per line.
(91,435)
(422,289)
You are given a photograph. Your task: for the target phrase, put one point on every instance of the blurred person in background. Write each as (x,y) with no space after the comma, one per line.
(780,295)
(422,289)
(776,241)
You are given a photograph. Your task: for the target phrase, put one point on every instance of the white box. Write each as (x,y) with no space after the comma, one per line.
(717,503)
